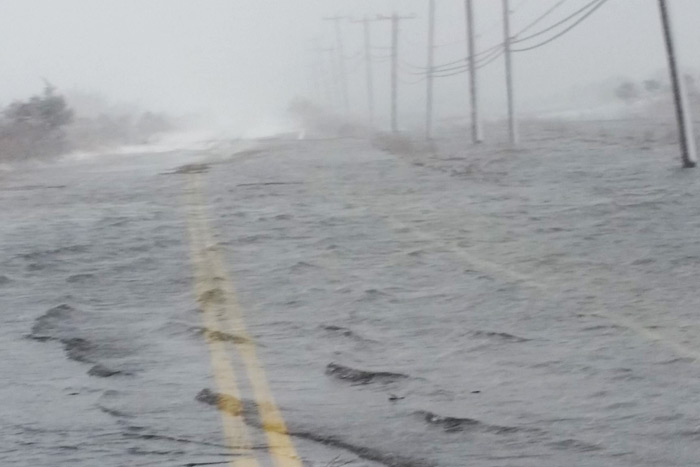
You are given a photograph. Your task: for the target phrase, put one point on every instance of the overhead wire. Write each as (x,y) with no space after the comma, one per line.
(560,34)
(578,12)
(491,54)
(483,62)
(450,65)
(541,17)
(480,66)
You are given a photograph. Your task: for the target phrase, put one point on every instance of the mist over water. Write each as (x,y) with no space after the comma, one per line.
(207,259)
(242,62)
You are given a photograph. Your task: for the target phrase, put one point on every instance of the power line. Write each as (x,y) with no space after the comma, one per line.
(467,69)
(489,58)
(496,24)
(557,36)
(466,59)
(451,65)
(490,61)
(462,70)
(457,70)
(555,25)
(541,17)
(418,67)
(445,66)
(479,63)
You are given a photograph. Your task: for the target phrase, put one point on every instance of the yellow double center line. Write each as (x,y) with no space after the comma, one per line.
(222,316)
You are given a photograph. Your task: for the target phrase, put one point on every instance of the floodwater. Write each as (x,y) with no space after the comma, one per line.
(487,307)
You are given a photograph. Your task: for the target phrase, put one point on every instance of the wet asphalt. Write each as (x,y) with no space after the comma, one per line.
(448,308)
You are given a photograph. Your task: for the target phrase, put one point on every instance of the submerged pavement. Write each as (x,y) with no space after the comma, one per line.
(325,303)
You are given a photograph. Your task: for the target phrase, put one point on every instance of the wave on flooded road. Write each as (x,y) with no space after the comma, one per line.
(62,324)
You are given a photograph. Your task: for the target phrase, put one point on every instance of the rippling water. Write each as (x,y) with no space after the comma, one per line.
(490,308)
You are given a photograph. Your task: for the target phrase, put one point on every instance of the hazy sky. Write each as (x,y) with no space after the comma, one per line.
(247,58)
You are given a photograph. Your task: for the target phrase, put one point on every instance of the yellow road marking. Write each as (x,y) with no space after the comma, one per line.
(218,292)
(235,431)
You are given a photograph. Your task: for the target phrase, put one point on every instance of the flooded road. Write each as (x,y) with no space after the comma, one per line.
(325,303)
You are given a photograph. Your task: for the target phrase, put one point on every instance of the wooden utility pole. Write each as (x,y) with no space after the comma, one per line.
(512,124)
(477,136)
(395,21)
(685,122)
(366,22)
(342,71)
(431,71)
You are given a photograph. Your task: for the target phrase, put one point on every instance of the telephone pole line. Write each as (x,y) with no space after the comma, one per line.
(342,71)
(431,71)
(477,136)
(366,22)
(395,22)
(512,124)
(685,123)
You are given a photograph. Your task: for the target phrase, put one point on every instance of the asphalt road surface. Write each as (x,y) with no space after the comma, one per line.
(325,303)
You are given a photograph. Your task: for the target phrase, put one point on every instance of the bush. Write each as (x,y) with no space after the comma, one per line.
(47,125)
(35,128)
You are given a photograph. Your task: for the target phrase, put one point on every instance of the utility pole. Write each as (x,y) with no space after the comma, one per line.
(395,21)
(431,71)
(477,136)
(512,124)
(341,60)
(685,123)
(369,68)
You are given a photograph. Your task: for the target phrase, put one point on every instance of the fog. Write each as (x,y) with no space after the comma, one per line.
(244,60)
(205,260)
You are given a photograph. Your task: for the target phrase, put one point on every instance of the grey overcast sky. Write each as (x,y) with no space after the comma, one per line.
(245,59)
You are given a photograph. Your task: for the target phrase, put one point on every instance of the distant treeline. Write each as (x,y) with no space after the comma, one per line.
(655,94)
(46,125)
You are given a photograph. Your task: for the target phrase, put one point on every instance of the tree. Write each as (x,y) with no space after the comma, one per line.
(35,127)
(49,111)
